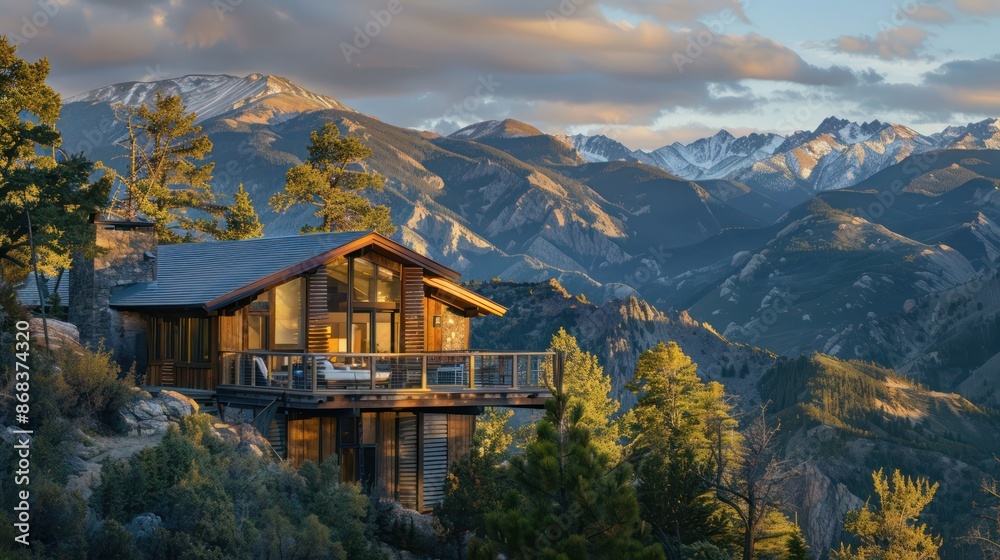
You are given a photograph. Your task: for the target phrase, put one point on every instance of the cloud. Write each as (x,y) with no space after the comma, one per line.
(679,11)
(925,13)
(956,88)
(979,7)
(899,42)
(581,69)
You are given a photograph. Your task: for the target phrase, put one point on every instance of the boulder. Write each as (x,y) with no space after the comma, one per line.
(177,405)
(143,526)
(61,334)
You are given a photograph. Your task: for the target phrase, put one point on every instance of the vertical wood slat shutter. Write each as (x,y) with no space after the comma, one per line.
(387,454)
(435,458)
(413,309)
(316,307)
(407,480)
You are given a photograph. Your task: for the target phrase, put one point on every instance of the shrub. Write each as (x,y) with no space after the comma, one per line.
(94,387)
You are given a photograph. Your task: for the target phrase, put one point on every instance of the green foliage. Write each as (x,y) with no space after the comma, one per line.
(683,437)
(217,503)
(56,193)
(891,532)
(568,501)
(797,547)
(328,180)
(94,387)
(585,382)
(241,219)
(163,180)
(479,480)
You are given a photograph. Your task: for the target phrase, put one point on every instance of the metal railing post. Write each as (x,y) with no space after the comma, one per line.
(371,371)
(314,375)
(472,372)
(423,371)
(513,371)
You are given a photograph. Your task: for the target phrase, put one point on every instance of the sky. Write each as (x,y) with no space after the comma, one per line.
(645,72)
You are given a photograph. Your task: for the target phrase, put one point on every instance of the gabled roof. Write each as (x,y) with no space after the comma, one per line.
(213,275)
(27,291)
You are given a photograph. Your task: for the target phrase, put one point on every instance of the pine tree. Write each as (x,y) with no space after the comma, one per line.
(683,436)
(162,181)
(478,481)
(569,501)
(797,547)
(891,532)
(241,218)
(585,382)
(55,193)
(328,181)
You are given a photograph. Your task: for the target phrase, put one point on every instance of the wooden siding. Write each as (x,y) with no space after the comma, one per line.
(387,454)
(435,459)
(303,437)
(412,310)
(231,332)
(317,335)
(408,460)
(327,437)
(460,429)
(433,334)
(168,373)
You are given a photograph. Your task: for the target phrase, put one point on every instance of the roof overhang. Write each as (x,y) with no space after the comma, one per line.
(463,298)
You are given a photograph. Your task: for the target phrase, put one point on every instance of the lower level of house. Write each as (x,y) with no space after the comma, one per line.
(399,455)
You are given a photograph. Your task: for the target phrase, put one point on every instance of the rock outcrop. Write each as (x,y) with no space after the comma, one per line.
(150,416)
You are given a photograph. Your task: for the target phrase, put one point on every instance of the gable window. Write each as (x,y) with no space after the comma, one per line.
(375,283)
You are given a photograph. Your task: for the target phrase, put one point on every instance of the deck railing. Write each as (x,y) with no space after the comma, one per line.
(349,372)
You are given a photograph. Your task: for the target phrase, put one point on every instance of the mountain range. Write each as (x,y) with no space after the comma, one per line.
(822,240)
(837,154)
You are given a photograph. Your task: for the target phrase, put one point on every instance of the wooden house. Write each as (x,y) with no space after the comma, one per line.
(336,343)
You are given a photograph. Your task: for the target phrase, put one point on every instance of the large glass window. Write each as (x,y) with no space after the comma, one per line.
(375,283)
(287,312)
(388,285)
(364,278)
(337,289)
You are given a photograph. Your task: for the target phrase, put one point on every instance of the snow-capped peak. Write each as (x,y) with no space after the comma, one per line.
(211,95)
(507,128)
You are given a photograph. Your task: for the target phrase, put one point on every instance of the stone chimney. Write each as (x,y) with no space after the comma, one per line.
(126,255)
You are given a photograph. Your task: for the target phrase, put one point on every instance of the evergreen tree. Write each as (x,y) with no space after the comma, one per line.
(241,218)
(684,435)
(478,481)
(891,532)
(797,547)
(569,502)
(54,192)
(585,382)
(163,180)
(328,181)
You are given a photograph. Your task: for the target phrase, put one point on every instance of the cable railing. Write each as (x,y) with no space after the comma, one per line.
(382,372)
